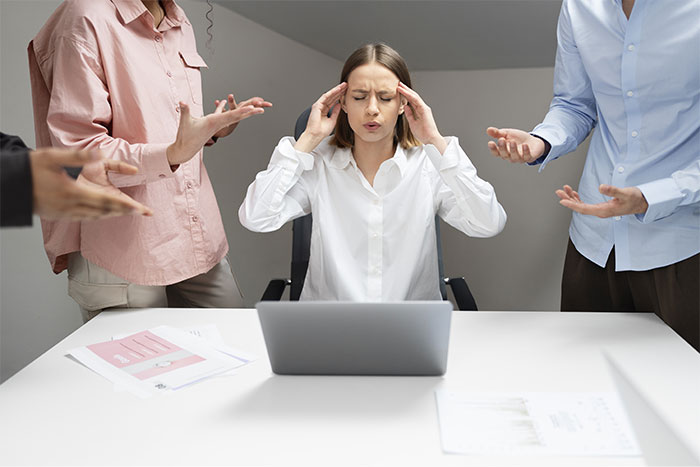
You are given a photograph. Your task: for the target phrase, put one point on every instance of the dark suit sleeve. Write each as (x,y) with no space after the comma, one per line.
(15,182)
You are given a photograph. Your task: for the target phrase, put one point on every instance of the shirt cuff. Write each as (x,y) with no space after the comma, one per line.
(155,162)
(547,150)
(542,132)
(663,197)
(449,159)
(287,157)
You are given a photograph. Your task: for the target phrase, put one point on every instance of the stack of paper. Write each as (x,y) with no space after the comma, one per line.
(161,359)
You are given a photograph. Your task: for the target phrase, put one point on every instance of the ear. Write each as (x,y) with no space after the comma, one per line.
(402,105)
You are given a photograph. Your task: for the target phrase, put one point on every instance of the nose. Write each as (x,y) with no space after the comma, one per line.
(372,107)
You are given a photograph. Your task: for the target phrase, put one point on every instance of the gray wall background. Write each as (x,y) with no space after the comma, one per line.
(518,270)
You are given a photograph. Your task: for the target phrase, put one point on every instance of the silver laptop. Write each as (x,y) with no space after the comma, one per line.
(351,338)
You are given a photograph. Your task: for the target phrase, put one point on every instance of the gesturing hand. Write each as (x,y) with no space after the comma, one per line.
(420,119)
(320,124)
(56,195)
(515,145)
(194,132)
(624,201)
(258,102)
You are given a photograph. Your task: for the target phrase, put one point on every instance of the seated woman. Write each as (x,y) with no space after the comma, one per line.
(373,187)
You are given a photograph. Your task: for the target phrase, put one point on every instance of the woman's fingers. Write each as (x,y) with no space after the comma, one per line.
(331,96)
(410,112)
(184,110)
(414,99)
(255,101)
(220,107)
(243,112)
(230,101)
(335,113)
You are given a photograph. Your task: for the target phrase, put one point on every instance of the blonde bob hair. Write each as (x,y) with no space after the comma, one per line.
(343,136)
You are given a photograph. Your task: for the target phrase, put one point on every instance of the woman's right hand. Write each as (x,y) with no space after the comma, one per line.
(321,124)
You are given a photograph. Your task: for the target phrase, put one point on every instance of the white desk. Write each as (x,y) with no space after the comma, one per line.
(56,412)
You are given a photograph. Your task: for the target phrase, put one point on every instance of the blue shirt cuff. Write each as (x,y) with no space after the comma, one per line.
(663,197)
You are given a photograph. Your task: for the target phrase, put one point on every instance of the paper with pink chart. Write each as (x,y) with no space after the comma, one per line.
(158,360)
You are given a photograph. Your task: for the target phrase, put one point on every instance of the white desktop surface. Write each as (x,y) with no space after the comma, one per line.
(57,412)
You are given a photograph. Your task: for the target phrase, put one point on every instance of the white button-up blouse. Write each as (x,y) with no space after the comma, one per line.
(372,243)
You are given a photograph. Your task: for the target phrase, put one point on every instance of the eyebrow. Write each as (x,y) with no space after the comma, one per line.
(362,91)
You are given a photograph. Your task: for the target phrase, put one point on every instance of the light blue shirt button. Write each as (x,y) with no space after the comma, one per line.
(635,134)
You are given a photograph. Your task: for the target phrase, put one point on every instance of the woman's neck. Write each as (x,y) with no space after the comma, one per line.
(370,155)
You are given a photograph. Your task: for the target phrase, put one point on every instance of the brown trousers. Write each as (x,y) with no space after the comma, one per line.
(672,292)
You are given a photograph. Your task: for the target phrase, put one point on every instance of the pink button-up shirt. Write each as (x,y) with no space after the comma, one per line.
(103,77)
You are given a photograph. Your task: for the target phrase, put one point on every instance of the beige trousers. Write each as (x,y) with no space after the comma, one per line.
(96,289)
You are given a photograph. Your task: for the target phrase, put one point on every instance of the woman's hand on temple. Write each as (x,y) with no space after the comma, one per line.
(320,123)
(420,119)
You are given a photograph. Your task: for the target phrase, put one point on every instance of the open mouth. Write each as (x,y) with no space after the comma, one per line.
(371,126)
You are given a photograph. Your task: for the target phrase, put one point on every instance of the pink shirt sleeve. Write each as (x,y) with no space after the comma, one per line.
(80,115)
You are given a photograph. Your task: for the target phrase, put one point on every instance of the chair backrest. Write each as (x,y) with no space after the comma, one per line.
(301,236)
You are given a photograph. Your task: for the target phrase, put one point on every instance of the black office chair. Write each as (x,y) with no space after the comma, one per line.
(301,248)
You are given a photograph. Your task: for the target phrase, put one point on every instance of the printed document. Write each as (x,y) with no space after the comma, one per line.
(160,359)
(535,423)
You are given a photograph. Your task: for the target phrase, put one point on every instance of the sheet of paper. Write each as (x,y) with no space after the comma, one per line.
(535,423)
(156,360)
(211,333)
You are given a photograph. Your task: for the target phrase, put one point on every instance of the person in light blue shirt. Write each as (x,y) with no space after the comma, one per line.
(629,71)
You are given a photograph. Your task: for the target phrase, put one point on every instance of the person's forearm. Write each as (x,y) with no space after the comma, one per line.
(439,142)
(16,199)
(269,203)
(664,196)
(478,212)
(563,128)
(307,142)
(572,112)
(149,158)
(11,143)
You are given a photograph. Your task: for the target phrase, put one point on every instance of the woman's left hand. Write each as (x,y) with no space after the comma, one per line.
(232,105)
(420,119)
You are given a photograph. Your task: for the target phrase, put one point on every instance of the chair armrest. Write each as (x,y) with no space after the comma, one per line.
(274,290)
(463,296)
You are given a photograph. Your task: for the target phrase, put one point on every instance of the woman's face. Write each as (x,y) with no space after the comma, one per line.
(372,102)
